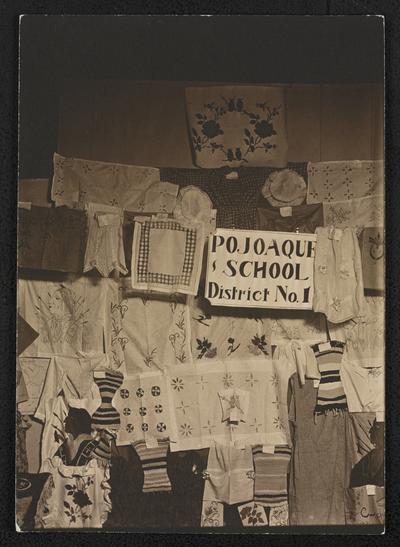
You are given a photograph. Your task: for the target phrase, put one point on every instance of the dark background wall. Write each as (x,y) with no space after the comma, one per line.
(59,51)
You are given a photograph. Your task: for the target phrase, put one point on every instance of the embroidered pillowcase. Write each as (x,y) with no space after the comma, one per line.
(237,125)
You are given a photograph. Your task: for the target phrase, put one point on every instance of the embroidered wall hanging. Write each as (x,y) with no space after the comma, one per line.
(79,181)
(343,180)
(166,256)
(70,315)
(144,407)
(373,258)
(365,212)
(237,125)
(199,416)
(156,330)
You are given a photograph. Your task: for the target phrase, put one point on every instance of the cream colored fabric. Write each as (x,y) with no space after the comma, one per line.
(237,125)
(74,496)
(70,315)
(364,387)
(34,371)
(343,180)
(338,284)
(366,212)
(105,249)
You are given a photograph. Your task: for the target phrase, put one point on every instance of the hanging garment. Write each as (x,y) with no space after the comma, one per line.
(237,125)
(125,186)
(53,434)
(73,377)
(365,506)
(364,334)
(373,258)
(199,416)
(34,371)
(234,198)
(22,423)
(338,285)
(319,469)
(156,329)
(331,396)
(300,219)
(166,256)
(218,336)
(26,335)
(71,315)
(287,325)
(74,496)
(85,453)
(229,477)
(108,382)
(51,239)
(154,465)
(105,249)
(364,387)
(358,213)
(144,407)
(298,357)
(343,180)
(252,514)
(271,475)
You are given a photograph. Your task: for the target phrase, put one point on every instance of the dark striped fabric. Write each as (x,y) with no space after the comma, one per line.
(271,475)
(106,416)
(331,396)
(154,464)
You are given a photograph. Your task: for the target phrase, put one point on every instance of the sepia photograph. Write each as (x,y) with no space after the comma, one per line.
(201,274)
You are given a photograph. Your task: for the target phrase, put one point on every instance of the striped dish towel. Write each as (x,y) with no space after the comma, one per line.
(331,396)
(270,480)
(154,464)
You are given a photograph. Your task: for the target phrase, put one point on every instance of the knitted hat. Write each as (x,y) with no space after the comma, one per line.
(284,188)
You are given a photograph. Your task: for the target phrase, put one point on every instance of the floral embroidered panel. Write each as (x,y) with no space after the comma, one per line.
(155,332)
(131,187)
(237,125)
(287,325)
(167,256)
(199,415)
(365,212)
(144,407)
(70,315)
(343,180)
(218,336)
(373,258)
(74,496)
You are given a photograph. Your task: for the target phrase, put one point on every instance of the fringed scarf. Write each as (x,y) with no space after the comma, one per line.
(331,396)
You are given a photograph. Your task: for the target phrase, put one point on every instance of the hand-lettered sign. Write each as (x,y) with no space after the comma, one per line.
(260,269)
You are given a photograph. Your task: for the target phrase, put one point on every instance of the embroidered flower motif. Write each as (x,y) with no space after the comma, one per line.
(211,129)
(158,409)
(126,412)
(177,384)
(186,430)
(205,348)
(161,427)
(264,129)
(145,427)
(124,393)
(323,269)
(275,379)
(258,345)
(143,411)
(155,391)
(227,380)
(278,423)
(129,428)
(252,514)
(149,358)
(375,372)
(336,304)
(139,392)
(231,345)
(211,515)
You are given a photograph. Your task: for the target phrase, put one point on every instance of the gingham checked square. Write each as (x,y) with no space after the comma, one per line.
(144,276)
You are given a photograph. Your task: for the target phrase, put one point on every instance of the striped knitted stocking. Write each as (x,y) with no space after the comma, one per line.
(154,464)
(106,416)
